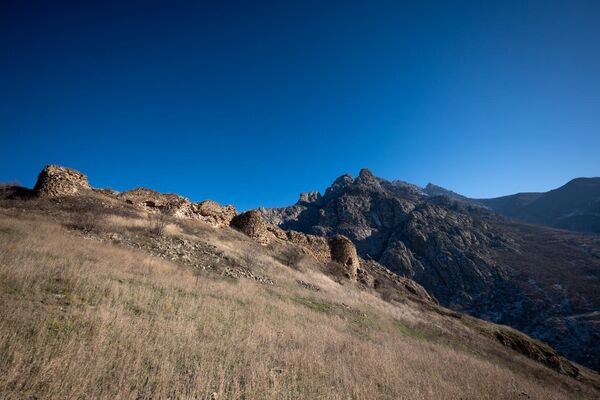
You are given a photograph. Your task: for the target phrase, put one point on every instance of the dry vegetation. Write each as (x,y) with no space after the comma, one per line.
(80,318)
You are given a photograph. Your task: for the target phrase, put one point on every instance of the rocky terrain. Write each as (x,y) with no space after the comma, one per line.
(542,281)
(71,190)
(366,257)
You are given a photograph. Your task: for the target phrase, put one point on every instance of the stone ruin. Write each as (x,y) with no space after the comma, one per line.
(253,225)
(214,213)
(177,206)
(56,181)
(316,246)
(339,248)
(343,251)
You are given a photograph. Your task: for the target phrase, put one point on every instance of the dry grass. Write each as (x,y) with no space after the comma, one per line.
(85,319)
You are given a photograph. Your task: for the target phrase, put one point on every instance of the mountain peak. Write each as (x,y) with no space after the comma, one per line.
(365,173)
(435,190)
(366,177)
(340,183)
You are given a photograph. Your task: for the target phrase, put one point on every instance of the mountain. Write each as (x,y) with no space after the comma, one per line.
(141,294)
(574,206)
(434,190)
(542,281)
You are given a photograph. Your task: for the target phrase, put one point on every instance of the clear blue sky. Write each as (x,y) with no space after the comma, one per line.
(252,102)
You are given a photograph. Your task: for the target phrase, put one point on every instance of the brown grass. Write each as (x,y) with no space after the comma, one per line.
(85,319)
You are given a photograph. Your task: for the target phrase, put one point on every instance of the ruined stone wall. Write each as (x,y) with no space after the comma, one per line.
(56,181)
(343,251)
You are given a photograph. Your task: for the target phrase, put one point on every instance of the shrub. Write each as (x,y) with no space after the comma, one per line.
(158,224)
(88,220)
(291,257)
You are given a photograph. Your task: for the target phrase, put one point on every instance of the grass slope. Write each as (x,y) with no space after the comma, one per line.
(81,318)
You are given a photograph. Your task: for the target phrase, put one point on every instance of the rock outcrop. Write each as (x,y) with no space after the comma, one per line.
(56,181)
(343,251)
(376,276)
(309,197)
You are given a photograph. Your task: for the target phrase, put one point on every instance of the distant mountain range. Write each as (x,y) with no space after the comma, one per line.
(574,206)
(543,281)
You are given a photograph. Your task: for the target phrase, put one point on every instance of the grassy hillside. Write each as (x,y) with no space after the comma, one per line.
(83,317)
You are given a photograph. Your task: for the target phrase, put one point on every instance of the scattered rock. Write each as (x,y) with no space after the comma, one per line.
(244,272)
(200,256)
(308,286)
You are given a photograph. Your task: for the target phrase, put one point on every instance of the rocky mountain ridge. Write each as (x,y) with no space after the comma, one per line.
(542,281)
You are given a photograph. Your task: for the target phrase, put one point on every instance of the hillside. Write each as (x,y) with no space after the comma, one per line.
(574,206)
(117,295)
(542,281)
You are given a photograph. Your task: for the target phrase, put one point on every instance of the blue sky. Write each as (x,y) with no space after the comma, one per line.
(251,103)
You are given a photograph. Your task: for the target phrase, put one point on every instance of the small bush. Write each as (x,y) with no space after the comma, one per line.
(88,220)
(291,257)
(158,224)
(337,271)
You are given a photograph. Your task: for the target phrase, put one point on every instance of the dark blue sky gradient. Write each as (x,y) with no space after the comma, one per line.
(250,103)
